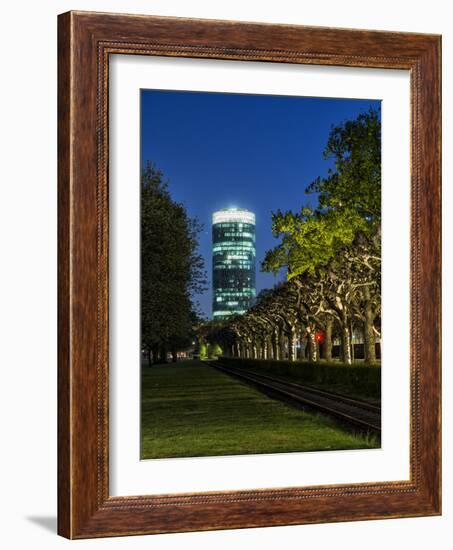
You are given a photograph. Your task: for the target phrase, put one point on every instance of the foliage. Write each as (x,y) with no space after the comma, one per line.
(203,350)
(349,201)
(171,268)
(355,182)
(215,334)
(310,238)
(214,350)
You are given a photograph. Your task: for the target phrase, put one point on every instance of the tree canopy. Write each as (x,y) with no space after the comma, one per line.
(355,181)
(349,201)
(172,270)
(310,238)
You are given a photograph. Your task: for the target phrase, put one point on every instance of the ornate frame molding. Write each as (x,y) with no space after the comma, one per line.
(86,40)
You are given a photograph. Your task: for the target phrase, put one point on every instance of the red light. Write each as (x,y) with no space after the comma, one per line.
(320,336)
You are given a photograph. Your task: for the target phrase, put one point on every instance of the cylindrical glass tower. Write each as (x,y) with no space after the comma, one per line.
(233,261)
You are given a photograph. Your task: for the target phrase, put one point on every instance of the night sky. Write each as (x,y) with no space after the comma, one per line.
(257,152)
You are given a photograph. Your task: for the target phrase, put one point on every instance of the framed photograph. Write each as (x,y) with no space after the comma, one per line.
(249,275)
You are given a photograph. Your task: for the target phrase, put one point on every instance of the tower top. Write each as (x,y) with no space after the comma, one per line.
(240,215)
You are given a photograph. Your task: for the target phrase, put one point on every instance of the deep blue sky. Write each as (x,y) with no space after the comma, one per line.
(251,151)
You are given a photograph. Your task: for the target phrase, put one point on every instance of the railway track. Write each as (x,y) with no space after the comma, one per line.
(360,414)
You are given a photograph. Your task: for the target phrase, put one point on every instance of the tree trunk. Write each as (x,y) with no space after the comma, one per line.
(174,356)
(163,354)
(312,352)
(269,347)
(245,353)
(327,346)
(264,348)
(248,351)
(254,351)
(298,346)
(346,342)
(155,350)
(303,348)
(237,350)
(368,336)
(149,357)
(351,332)
(275,346)
(282,345)
(291,345)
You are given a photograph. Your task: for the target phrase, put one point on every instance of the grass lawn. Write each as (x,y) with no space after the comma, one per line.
(191,409)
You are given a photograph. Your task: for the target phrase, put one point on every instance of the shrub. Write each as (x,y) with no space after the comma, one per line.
(356,379)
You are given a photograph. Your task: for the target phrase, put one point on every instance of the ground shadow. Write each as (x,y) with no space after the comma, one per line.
(49,523)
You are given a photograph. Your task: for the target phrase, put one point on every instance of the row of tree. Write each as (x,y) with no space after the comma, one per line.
(332,257)
(172,270)
(312,307)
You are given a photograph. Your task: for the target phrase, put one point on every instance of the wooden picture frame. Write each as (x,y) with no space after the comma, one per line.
(85,41)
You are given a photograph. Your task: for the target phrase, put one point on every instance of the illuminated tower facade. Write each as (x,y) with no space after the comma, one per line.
(233,262)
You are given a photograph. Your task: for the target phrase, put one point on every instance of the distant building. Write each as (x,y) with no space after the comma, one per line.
(233,262)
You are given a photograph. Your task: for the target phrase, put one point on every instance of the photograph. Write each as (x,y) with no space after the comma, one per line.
(225,270)
(260,274)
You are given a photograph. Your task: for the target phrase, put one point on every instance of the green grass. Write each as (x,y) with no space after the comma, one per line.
(191,409)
